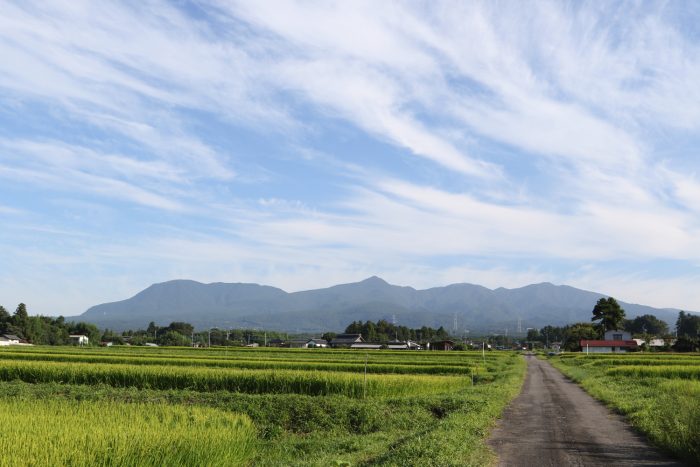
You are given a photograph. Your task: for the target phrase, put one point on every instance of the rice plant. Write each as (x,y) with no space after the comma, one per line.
(317,383)
(60,432)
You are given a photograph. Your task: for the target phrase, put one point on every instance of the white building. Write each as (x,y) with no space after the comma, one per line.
(401,345)
(654,342)
(78,339)
(317,343)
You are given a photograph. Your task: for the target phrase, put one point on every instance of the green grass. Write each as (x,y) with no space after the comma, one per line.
(659,394)
(59,432)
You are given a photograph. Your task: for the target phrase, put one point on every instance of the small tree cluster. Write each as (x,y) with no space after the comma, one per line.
(688,332)
(383,331)
(569,335)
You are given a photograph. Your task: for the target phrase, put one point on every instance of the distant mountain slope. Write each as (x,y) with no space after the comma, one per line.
(251,305)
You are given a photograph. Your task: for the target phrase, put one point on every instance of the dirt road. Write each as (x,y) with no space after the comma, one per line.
(553,422)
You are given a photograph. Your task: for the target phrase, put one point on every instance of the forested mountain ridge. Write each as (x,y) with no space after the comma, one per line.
(469,306)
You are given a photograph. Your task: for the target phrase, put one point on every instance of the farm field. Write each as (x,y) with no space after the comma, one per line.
(224,406)
(659,393)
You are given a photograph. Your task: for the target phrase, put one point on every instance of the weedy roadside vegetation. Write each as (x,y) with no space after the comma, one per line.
(658,392)
(303,407)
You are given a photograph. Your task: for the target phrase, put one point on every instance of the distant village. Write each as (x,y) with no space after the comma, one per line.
(639,334)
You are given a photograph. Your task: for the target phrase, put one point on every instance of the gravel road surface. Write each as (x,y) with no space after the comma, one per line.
(553,422)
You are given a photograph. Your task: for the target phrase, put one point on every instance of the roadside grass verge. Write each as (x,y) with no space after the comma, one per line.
(663,402)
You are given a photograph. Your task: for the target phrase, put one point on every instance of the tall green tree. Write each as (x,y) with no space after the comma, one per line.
(4,315)
(688,325)
(174,338)
(608,314)
(647,324)
(152,329)
(574,333)
(20,319)
(186,329)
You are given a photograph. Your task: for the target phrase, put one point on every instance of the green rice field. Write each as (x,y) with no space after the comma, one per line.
(658,392)
(240,406)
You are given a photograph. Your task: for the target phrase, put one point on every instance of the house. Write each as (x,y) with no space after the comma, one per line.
(614,341)
(397,345)
(442,345)
(11,339)
(365,346)
(346,340)
(298,343)
(617,335)
(78,339)
(4,341)
(317,343)
(401,345)
(276,343)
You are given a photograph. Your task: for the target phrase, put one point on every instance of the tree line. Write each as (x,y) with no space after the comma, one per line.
(383,331)
(43,330)
(607,315)
(179,333)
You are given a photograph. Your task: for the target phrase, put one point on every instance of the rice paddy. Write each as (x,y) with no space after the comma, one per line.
(59,432)
(658,392)
(251,406)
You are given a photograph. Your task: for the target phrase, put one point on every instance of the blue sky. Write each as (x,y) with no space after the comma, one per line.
(303,144)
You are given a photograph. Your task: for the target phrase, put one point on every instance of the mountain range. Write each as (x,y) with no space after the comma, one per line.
(457,307)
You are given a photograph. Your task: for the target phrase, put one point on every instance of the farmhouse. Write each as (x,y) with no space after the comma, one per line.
(442,345)
(401,345)
(366,346)
(78,339)
(9,339)
(298,343)
(317,343)
(346,340)
(615,341)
